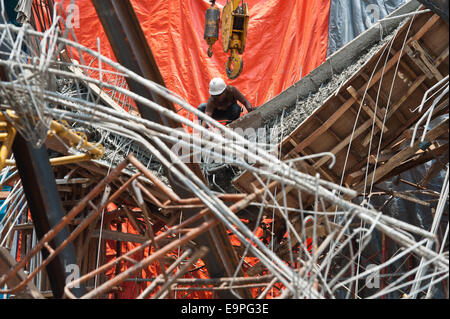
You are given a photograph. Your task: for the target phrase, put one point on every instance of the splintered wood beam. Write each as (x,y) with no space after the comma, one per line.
(421,57)
(383,157)
(7,262)
(434,170)
(422,158)
(403,155)
(405,197)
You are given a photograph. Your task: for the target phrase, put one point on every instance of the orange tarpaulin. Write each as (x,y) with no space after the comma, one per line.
(284,38)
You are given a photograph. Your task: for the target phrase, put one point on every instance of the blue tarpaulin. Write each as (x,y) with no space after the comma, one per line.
(350,18)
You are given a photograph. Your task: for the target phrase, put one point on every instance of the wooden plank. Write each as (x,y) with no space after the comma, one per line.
(403,155)
(6,263)
(434,169)
(353,177)
(364,106)
(382,157)
(329,175)
(424,56)
(400,116)
(292,141)
(99,92)
(405,197)
(323,128)
(422,158)
(408,93)
(377,76)
(361,129)
(373,104)
(378,117)
(416,57)
(331,131)
(442,57)
(338,139)
(299,145)
(426,27)
(418,82)
(438,110)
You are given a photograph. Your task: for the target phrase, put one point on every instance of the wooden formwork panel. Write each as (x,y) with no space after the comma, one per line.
(380,98)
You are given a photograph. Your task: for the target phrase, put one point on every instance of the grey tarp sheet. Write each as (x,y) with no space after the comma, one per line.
(350,18)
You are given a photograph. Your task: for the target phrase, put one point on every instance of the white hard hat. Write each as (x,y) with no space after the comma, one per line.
(217,86)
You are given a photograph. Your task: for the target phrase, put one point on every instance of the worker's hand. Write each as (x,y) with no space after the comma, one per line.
(251,109)
(205,125)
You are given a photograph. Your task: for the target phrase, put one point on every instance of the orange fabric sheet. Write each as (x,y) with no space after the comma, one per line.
(282,41)
(284,38)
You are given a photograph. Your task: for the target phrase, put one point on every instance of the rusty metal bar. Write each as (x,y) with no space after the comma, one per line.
(150,234)
(43,243)
(189,234)
(171,268)
(52,233)
(147,173)
(105,287)
(45,206)
(166,286)
(187,203)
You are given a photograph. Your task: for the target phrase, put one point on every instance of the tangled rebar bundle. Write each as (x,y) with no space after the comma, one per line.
(314,251)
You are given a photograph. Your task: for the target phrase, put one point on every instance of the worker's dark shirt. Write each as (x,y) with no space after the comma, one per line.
(229,97)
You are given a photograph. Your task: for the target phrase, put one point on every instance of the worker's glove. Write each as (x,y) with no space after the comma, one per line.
(251,109)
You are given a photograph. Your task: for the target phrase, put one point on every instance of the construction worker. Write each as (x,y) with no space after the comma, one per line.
(222,104)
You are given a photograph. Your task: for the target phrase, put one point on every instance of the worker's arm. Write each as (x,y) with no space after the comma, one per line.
(241,98)
(209,111)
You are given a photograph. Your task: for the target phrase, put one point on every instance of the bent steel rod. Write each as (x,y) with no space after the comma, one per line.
(64,222)
(190,234)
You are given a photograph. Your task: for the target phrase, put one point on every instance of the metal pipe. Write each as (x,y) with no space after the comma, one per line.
(57,228)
